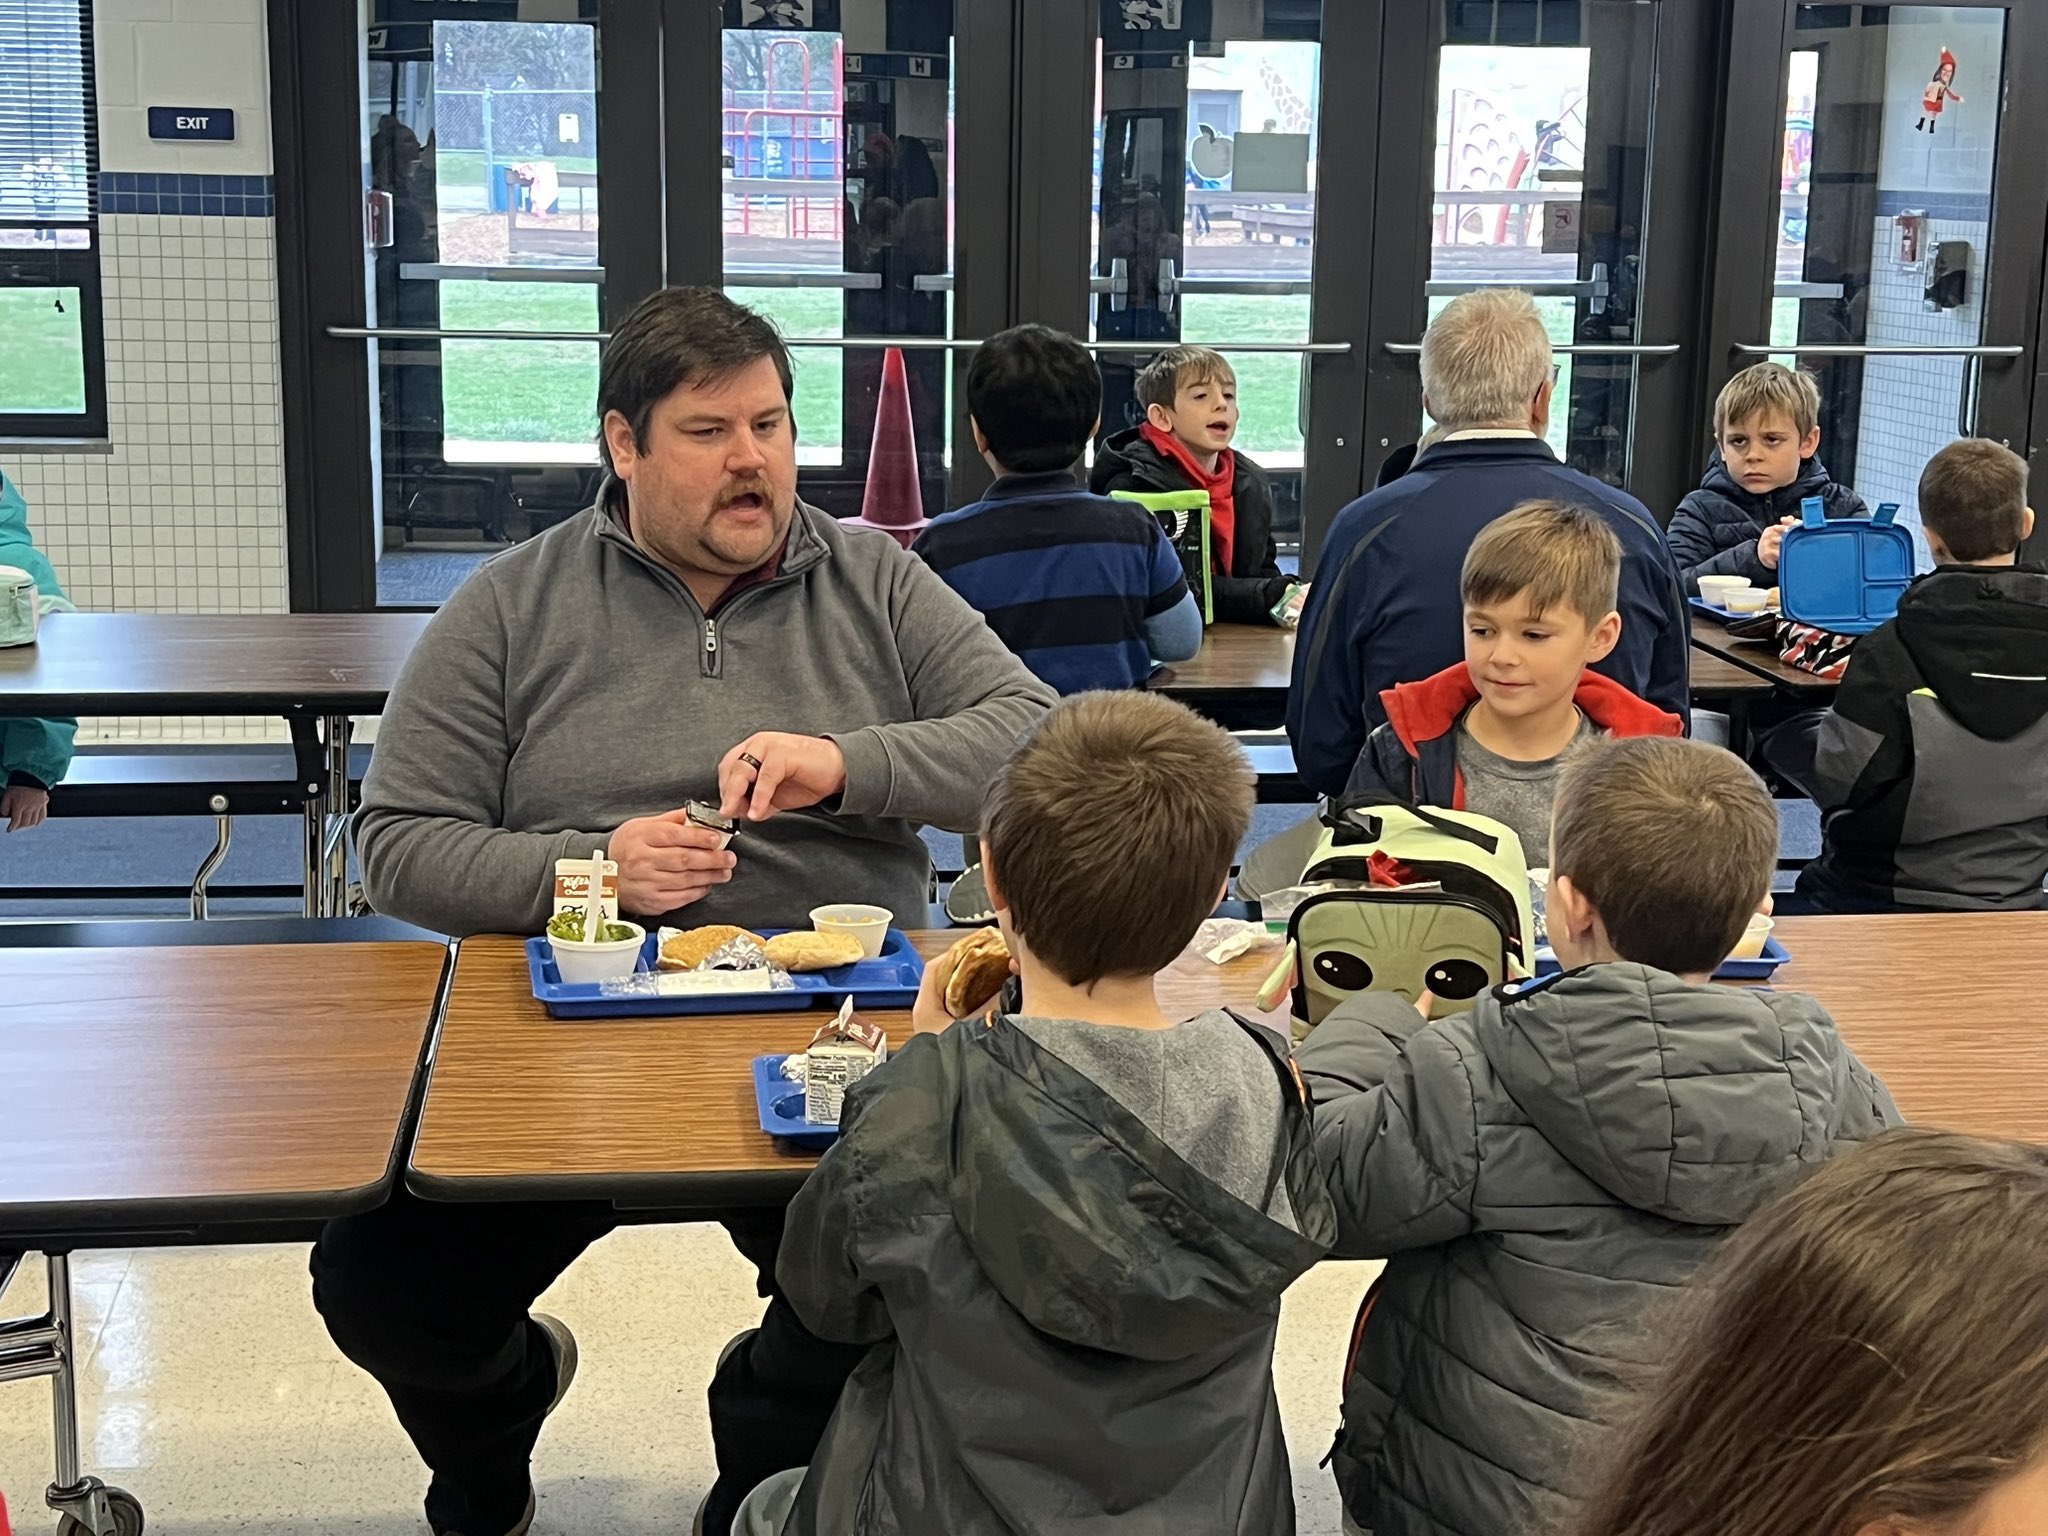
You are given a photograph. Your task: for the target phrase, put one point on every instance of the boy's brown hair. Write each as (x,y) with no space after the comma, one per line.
(1673,842)
(1111,831)
(1178,368)
(1768,389)
(1973,497)
(1557,554)
(1871,1348)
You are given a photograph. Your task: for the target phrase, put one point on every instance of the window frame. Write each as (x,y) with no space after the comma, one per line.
(60,266)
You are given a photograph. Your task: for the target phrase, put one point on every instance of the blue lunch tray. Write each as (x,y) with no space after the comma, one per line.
(1845,576)
(890,980)
(779,1105)
(1759,969)
(1728,615)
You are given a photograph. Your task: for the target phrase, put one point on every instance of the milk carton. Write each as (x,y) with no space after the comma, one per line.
(840,1055)
(572,888)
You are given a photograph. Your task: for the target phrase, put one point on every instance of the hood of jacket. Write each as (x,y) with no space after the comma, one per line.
(1693,1102)
(1979,636)
(1429,710)
(1127,452)
(1099,1233)
(1763,510)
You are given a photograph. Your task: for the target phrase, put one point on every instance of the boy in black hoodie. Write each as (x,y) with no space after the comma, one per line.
(1190,400)
(1928,768)
(1767,430)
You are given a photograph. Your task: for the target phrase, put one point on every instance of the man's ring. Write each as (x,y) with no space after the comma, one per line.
(751,761)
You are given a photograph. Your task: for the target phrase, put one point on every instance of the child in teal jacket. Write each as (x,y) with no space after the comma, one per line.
(34,754)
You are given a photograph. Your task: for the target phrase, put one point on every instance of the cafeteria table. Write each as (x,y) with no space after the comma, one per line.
(316,670)
(1241,669)
(1756,657)
(194,1094)
(657,1114)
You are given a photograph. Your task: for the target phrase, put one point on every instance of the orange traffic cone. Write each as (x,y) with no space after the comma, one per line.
(894,501)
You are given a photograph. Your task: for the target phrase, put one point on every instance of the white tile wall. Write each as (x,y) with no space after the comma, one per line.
(1910,404)
(186,514)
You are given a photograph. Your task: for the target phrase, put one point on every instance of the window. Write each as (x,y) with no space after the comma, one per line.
(52,376)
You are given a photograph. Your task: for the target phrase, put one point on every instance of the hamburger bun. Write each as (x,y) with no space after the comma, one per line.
(801,951)
(693,946)
(972,972)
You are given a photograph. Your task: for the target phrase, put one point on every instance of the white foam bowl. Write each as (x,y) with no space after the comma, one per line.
(1746,600)
(1715,589)
(1751,945)
(868,924)
(579,963)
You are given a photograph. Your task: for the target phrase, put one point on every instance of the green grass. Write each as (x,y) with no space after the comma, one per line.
(465,167)
(42,353)
(533,391)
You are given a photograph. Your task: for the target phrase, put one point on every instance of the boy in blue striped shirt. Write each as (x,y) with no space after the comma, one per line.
(1085,589)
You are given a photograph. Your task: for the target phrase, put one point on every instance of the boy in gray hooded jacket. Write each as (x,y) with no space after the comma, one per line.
(1539,1170)
(1065,1229)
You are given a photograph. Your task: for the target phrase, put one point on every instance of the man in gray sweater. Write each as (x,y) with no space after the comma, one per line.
(699,634)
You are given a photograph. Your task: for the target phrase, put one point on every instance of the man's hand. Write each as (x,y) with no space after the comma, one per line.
(665,862)
(1767,543)
(24,806)
(773,771)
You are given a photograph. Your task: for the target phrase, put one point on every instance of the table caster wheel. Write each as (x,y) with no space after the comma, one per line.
(124,1508)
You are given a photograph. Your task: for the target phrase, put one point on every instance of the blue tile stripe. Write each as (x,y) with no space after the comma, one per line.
(182,192)
(1936,205)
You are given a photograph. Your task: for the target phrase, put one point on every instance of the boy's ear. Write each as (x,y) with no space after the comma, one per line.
(1938,549)
(996,899)
(1809,445)
(980,437)
(1606,635)
(1570,904)
(2027,525)
(1160,417)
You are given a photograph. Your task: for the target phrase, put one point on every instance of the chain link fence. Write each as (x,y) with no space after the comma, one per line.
(506,126)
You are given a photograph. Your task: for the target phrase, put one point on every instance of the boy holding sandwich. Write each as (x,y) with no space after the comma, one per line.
(1066,1230)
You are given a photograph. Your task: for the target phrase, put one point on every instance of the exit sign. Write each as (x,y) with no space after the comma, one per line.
(191,122)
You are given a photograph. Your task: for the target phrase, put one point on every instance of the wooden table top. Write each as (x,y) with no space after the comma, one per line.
(208,664)
(1946,1009)
(1248,658)
(151,1088)
(639,1111)
(1234,658)
(1756,656)
(653,1112)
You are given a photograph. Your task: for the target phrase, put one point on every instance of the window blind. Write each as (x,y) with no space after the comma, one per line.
(49,141)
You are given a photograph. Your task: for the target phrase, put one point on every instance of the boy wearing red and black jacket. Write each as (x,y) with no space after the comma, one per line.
(1191,414)
(1493,735)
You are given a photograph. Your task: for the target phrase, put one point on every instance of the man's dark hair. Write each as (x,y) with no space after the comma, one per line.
(674,337)
(1036,396)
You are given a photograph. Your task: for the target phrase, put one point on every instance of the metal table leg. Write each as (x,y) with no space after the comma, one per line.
(334,731)
(43,1346)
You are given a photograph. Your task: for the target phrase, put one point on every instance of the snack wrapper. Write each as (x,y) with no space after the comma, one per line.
(697,983)
(701,815)
(1221,940)
(841,1054)
(737,955)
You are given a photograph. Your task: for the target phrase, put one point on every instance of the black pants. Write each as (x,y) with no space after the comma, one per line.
(432,1299)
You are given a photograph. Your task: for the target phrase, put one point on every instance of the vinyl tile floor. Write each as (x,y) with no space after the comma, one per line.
(210,1391)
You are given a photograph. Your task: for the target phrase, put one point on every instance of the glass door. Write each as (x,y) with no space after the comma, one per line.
(481,193)
(1553,151)
(838,213)
(1905,234)
(1207,156)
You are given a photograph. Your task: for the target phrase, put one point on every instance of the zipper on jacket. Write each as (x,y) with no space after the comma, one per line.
(714,664)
